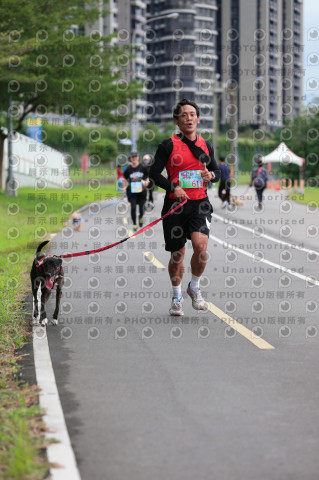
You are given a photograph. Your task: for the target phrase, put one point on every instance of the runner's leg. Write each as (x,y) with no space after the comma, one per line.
(199,257)
(198,264)
(176,266)
(220,189)
(151,190)
(227,190)
(259,195)
(141,205)
(133,201)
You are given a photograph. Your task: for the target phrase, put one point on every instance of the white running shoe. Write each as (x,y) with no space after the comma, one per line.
(224,204)
(198,302)
(176,307)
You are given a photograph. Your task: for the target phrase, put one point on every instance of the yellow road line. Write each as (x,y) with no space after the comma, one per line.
(150,257)
(245,332)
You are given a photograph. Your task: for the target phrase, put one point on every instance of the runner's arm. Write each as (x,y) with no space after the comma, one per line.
(160,159)
(212,165)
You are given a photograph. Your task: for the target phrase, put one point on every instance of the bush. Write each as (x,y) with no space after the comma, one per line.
(106,150)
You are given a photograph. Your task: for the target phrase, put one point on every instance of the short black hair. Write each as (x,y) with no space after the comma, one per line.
(181,104)
(221,159)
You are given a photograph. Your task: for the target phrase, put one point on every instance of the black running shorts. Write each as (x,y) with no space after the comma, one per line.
(194,216)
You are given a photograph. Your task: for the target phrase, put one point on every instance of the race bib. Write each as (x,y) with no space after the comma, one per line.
(190,179)
(136,187)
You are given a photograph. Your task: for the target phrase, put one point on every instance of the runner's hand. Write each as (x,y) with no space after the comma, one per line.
(146,182)
(206,174)
(180,194)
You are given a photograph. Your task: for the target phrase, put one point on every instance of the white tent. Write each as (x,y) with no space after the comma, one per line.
(283,155)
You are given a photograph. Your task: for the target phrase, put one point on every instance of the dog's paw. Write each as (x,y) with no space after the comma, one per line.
(35,321)
(54,321)
(44,322)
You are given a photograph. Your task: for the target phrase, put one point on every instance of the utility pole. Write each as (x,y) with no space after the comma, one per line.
(178,60)
(217,90)
(11,185)
(234,132)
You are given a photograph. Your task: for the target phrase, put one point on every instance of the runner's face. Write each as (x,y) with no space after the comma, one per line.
(135,160)
(187,120)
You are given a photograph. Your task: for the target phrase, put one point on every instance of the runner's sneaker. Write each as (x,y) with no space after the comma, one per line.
(135,228)
(140,222)
(198,302)
(176,307)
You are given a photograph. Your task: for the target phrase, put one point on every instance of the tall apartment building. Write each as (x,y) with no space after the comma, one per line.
(261,60)
(251,50)
(183,57)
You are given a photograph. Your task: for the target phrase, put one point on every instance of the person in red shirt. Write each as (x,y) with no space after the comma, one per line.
(120,177)
(190,164)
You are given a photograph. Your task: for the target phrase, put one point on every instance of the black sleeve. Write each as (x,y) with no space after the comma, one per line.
(212,166)
(162,154)
(126,173)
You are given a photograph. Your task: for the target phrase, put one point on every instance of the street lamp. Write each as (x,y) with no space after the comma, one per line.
(134,121)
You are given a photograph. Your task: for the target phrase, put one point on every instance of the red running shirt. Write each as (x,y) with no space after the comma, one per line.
(181,159)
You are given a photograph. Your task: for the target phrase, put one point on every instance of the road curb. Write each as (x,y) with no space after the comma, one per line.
(60,454)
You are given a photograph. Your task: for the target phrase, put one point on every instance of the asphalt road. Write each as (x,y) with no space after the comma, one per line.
(229,394)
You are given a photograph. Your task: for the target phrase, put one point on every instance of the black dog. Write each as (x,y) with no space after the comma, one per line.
(46,272)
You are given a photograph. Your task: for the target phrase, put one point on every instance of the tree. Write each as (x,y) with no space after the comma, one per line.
(47,65)
(301,135)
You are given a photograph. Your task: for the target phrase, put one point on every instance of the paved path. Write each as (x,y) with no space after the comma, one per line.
(227,394)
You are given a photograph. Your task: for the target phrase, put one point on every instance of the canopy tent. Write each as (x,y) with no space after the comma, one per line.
(283,155)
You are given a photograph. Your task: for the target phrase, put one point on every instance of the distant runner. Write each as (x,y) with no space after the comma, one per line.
(136,181)
(259,179)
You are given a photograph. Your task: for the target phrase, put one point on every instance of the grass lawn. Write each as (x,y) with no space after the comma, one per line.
(27,220)
(310,195)
(100,173)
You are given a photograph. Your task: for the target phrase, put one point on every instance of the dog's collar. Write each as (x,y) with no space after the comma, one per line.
(41,260)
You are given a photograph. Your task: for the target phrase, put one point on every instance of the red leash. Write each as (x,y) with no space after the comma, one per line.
(97,250)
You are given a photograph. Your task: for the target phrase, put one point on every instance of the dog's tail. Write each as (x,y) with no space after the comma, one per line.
(43,244)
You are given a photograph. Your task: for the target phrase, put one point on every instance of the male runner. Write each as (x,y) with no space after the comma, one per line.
(136,181)
(190,164)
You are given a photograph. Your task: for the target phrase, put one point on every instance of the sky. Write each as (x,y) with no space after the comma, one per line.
(311,50)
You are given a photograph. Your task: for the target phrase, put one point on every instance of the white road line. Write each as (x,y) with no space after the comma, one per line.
(272,264)
(60,454)
(244,331)
(268,237)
